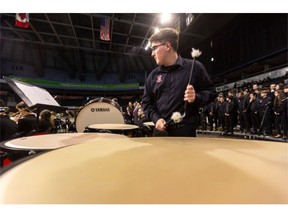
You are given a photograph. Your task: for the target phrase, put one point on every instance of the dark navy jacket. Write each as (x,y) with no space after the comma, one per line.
(165,87)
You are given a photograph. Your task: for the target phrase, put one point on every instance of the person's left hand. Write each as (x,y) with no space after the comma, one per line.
(190,94)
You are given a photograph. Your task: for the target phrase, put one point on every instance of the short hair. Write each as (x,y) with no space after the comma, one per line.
(281,85)
(230,97)
(264,90)
(45,114)
(166,35)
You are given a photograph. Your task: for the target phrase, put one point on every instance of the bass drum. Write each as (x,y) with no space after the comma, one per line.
(99,111)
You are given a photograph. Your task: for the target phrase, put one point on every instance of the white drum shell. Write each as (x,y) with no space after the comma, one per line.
(98,112)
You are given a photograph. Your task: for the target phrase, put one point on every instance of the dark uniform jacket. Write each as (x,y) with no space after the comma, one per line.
(165,87)
(7,127)
(27,124)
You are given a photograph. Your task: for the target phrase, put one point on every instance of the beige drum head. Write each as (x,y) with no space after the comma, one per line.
(120,127)
(54,141)
(156,170)
(99,111)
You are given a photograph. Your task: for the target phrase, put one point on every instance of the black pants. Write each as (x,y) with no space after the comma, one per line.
(179,130)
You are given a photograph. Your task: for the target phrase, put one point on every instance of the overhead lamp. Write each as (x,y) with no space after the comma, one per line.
(165,17)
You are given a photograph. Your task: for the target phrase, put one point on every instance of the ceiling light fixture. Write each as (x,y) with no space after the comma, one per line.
(165,17)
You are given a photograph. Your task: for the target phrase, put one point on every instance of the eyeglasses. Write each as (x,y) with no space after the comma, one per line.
(154,48)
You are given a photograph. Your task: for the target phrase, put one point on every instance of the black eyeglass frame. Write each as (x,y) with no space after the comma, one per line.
(154,48)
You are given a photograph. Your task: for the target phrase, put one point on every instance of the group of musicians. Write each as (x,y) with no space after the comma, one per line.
(24,122)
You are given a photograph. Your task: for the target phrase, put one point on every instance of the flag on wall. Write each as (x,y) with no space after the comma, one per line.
(105,29)
(22,20)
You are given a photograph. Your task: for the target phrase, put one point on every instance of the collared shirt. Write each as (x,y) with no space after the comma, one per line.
(165,88)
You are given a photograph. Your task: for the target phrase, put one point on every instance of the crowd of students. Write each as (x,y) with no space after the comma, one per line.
(24,122)
(260,111)
(257,111)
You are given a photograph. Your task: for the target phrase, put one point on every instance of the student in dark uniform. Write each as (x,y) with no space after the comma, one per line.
(247,120)
(27,120)
(265,108)
(285,100)
(234,114)
(8,127)
(229,117)
(213,114)
(141,119)
(253,113)
(166,88)
(221,114)
(279,111)
(241,110)
(46,123)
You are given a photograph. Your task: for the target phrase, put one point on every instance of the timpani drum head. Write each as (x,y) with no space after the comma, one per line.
(153,170)
(54,141)
(99,111)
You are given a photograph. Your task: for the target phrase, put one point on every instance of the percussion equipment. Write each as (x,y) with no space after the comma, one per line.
(126,129)
(153,170)
(25,146)
(97,111)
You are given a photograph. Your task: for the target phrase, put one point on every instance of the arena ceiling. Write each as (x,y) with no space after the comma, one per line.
(129,34)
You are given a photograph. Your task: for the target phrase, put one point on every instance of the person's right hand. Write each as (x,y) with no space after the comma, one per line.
(190,94)
(160,125)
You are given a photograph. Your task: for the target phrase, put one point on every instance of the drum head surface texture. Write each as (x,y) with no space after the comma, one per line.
(54,141)
(152,170)
(120,127)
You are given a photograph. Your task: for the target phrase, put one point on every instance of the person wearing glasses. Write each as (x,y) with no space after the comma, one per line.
(167,90)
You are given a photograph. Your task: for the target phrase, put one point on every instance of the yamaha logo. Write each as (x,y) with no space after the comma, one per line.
(100,109)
